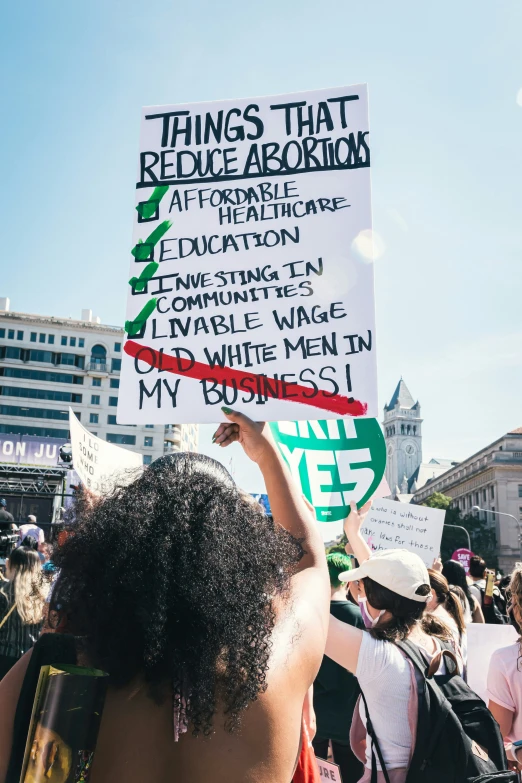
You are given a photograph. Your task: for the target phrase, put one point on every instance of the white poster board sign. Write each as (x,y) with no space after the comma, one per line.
(483,640)
(251,274)
(328,771)
(99,464)
(393,525)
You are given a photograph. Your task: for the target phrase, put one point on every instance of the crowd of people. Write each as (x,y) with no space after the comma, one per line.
(236,648)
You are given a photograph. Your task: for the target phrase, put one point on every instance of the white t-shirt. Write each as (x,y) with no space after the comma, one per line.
(505,685)
(384,676)
(30,529)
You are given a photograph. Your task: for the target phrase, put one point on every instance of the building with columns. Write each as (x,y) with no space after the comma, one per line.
(492,480)
(51,363)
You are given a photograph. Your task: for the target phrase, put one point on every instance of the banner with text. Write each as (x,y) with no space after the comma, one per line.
(334,462)
(101,465)
(393,525)
(251,275)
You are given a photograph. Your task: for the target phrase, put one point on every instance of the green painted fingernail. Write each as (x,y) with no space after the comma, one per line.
(214,437)
(227,410)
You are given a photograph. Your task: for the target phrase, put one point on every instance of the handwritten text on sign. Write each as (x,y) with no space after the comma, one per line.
(251,279)
(392,525)
(101,465)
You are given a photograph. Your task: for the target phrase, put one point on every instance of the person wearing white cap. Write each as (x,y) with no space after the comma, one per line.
(393,587)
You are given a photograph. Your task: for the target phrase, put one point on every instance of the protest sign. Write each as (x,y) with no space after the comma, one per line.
(251,275)
(463,556)
(393,525)
(329,771)
(334,462)
(483,640)
(100,465)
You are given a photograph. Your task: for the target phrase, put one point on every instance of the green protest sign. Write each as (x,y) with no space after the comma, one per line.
(334,462)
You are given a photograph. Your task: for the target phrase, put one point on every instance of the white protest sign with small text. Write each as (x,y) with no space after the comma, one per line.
(101,465)
(251,274)
(393,525)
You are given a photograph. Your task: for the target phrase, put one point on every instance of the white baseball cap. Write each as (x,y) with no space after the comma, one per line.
(399,570)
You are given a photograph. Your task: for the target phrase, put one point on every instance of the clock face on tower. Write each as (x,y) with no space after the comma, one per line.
(409,449)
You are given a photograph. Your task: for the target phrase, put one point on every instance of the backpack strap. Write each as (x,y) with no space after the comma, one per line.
(375,747)
(50,649)
(429,742)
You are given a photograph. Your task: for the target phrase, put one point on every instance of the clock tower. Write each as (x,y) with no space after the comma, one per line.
(403,436)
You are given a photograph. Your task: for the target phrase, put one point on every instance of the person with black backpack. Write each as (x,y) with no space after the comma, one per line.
(418,721)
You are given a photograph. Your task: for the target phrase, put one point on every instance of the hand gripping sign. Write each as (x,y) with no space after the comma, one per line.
(334,462)
(251,275)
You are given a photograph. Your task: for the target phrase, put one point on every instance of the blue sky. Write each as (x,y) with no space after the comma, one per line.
(446,134)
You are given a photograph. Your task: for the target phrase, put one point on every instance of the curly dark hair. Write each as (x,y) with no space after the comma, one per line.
(172,578)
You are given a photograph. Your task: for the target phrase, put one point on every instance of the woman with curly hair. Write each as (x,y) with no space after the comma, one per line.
(209,617)
(505,678)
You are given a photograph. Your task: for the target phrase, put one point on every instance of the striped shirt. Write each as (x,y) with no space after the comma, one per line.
(15,637)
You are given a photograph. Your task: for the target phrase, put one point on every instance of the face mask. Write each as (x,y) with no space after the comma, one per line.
(368,620)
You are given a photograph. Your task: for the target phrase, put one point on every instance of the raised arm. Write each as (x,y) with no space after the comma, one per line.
(352,528)
(288,507)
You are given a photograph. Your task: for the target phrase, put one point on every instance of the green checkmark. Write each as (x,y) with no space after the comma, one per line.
(139,283)
(142,250)
(134,327)
(146,209)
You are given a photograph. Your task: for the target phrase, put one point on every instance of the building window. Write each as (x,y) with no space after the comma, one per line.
(149,426)
(96,381)
(115,383)
(64,341)
(116,365)
(45,432)
(93,418)
(113,401)
(81,342)
(124,440)
(41,337)
(10,334)
(111,419)
(148,441)
(72,359)
(95,399)
(520,490)
(99,358)
(117,347)
(147,459)
(40,375)
(19,335)
(50,339)
(2,333)
(33,337)
(39,394)
(32,413)
(484,495)
(72,342)
(492,492)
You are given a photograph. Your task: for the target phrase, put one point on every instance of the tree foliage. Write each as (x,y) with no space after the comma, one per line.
(483,537)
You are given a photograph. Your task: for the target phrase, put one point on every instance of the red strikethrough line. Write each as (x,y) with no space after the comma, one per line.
(280,390)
